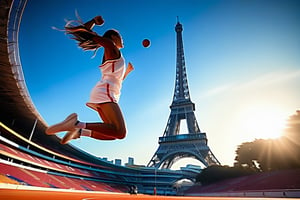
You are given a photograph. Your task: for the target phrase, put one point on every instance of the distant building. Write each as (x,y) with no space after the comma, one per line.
(118,162)
(192,168)
(130,161)
(106,160)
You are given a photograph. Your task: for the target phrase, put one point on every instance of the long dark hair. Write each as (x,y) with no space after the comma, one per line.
(84,36)
(110,33)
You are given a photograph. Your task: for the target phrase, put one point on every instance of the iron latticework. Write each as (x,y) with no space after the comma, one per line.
(173,145)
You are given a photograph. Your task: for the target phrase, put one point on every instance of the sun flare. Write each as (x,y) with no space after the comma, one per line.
(263,122)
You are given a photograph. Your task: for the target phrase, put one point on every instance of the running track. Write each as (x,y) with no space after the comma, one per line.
(22,194)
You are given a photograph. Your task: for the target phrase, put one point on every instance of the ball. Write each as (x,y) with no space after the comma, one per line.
(146,43)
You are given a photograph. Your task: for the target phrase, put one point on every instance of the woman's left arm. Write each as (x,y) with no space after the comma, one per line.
(128,70)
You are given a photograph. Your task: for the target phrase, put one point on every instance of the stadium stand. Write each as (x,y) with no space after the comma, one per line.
(45,168)
(265,181)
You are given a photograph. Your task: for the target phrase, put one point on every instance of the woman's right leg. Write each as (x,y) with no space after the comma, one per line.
(98,135)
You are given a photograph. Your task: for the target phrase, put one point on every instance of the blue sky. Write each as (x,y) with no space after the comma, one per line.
(242,60)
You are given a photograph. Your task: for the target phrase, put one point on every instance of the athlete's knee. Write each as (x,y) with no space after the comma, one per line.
(121,133)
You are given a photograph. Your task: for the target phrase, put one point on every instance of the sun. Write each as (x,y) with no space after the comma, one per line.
(262,122)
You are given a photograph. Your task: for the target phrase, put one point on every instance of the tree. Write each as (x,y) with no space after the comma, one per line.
(249,154)
(217,173)
(273,154)
(291,140)
(261,155)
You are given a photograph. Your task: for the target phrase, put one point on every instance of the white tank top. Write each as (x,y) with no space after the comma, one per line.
(113,73)
(108,89)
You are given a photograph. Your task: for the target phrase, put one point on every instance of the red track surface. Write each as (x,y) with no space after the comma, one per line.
(20,194)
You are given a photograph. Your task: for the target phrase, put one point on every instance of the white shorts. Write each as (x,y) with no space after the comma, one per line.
(102,94)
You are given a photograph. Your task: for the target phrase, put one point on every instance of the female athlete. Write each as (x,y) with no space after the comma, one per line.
(105,95)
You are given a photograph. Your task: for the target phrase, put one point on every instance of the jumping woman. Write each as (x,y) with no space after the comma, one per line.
(106,93)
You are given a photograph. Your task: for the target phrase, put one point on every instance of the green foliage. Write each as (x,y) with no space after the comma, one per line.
(260,155)
(273,154)
(217,173)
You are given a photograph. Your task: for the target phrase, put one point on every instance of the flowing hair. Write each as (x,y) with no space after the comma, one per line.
(84,36)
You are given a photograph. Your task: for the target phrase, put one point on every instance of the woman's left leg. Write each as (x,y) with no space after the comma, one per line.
(113,126)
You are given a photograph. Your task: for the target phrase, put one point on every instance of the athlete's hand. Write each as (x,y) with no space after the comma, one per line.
(99,20)
(128,70)
(130,67)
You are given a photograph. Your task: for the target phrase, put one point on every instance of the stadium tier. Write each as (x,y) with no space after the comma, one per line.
(34,165)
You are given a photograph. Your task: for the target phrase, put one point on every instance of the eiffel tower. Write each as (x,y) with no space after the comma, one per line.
(174,146)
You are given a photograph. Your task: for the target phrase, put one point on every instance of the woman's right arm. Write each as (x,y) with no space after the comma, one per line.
(98,20)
